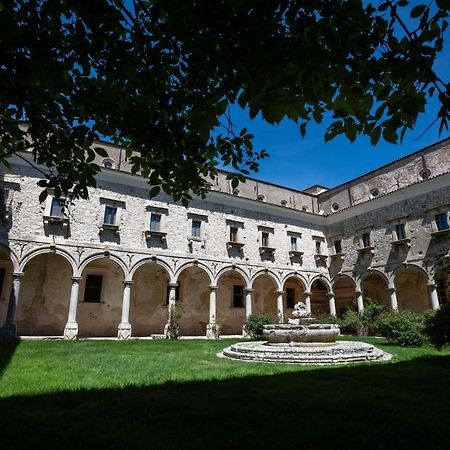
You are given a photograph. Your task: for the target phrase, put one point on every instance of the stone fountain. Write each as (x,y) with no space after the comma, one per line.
(303,341)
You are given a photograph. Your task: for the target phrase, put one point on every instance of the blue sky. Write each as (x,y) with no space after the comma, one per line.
(300,163)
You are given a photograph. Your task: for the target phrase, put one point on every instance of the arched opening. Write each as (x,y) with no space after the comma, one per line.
(231,302)
(43,305)
(375,288)
(294,290)
(264,295)
(100,298)
(6,270)
(344,295)
(194,290)
(443,281)
(412,291)
(149,300)
(319,298)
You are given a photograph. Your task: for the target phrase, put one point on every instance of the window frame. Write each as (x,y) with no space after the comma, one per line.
(241,295)
(94,274)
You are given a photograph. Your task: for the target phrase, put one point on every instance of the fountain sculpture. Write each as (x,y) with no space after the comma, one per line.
(303,341)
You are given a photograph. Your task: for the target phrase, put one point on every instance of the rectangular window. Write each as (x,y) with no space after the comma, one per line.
(441,221)
(93,289)
(338,247)
(155,222)
(196,225)
(293,244)
(57,209)
(233,234)
(400,231)
(366,240)
(110,215)
(2,278)
(290,297)
(264,239)
(238,296)
(318,248)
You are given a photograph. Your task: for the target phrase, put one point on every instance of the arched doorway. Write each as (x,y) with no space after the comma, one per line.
(231,302)
(194,287)
(374,287)
(344,295)
(294,291)
(412,291)
(149,300)
(319,298)
(43,305)
(6,270)
(264,295)
(100,298)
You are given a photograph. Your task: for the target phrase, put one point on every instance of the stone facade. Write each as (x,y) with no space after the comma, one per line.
(259,248)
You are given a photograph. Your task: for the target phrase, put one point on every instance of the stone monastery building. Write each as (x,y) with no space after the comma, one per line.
(112,265)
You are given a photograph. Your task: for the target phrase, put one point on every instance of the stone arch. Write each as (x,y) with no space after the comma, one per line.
(232,283)
(199,264)
(410,282)
(265,285)
(152,260)
(100,303)
(375,284)
(294,288)
(149,296)
(194,281)
(43,304)
(236,269)
(96,256)
(414,267)
(344,289)
(270,274)
(54,250)
(320,288)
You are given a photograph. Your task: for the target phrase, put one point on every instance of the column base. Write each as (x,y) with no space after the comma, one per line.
(124,331)
(212,331)
(171,331)
(71,331)
(8,333)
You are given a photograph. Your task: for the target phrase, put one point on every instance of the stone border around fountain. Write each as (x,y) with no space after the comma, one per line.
(342,352)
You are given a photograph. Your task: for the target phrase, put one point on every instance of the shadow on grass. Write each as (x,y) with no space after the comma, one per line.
(390,406)
(6,352)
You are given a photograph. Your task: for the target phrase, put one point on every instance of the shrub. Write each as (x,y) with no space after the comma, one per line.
(403,328)
(364,323)
(255,323)
(437,327)
(325,318)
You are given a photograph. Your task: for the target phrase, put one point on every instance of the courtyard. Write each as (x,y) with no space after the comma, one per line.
(179,394)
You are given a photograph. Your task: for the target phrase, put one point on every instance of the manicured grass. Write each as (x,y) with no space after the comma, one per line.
(178,394)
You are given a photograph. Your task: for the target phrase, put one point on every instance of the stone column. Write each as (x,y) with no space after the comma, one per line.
(280,312)
(393,296)
(308,301)
(432,293)
(359,301)
(248,308)
(248,302)
(124,330)
(332,303)
(71,328)
(212,329)
(171,327)
(9,330)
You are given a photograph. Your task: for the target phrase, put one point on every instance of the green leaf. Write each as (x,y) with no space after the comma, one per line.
(43,196)
(101,152)
(154,191)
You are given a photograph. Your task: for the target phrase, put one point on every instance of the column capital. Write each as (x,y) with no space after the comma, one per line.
(127,282)
(358,291)
(330,294)
(172,285)
(248,290)
(391,290)
(280,292)
(213,287)
(76,279)
(431,285)
(17,274)
(307,293)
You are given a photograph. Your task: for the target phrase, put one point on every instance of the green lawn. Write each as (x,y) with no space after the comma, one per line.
(179,395)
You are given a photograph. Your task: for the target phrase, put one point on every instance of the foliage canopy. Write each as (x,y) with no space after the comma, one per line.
(159,77)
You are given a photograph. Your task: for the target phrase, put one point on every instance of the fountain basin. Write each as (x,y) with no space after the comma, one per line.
(302,333)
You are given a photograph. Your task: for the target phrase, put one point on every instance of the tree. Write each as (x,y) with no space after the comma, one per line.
(158,78)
